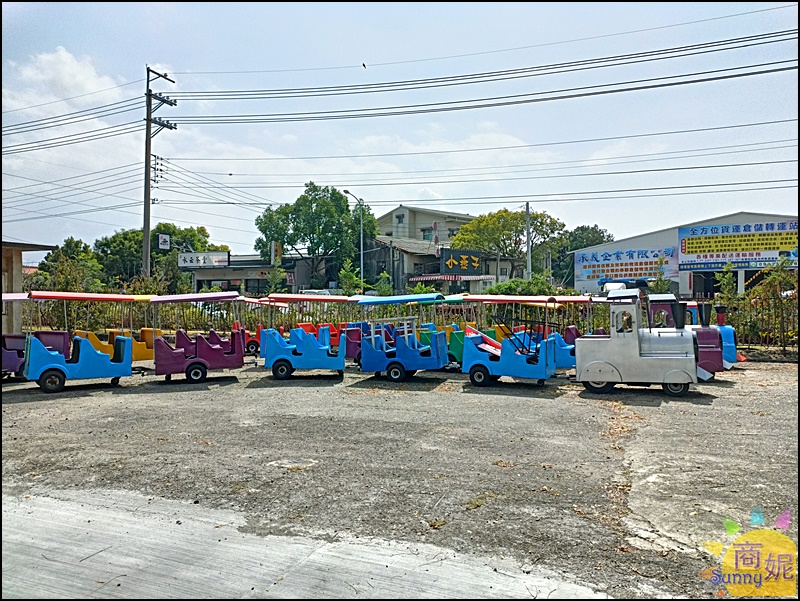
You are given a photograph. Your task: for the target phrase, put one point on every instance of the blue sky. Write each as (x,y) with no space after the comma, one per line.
(628,161)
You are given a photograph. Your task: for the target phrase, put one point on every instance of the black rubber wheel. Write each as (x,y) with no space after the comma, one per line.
(281,369)
(20,374)
(115,381)
(340,372)
(451,358)
(676,390)
(599,387)
(358,359)
(395,372)
(196,373)
(52,380)
(168,377)
(479,375)
(252,347)
(540,383)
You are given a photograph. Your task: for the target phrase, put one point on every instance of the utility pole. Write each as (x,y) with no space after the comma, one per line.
(528,235)
(361,228)
(149,135)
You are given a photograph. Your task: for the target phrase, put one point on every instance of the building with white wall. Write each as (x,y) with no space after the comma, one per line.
(437,227)
(693,253)
(417,243)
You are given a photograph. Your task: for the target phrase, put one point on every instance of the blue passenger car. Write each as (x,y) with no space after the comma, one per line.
(51,369)
(302,351)
(402,355)
(518,358)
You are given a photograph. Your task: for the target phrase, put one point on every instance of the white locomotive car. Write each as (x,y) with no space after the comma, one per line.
(635,355)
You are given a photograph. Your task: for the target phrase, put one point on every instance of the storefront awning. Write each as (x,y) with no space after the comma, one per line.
(450,277)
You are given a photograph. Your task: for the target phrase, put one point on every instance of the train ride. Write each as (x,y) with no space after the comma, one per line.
(496,336)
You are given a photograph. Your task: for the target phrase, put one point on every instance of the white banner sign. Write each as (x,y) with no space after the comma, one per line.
(206,259)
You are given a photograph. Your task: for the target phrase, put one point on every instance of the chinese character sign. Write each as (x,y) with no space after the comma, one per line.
(206,259)
(463,262)
(759,563)
(624,263)
(745,245)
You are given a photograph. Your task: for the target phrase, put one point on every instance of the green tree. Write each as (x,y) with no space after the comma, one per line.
(169,274)
(569,241)
(726,280)
(319,225)
(165,261)
(778,278)
(349,279)
(157,283)
(421,288)
(276,280)
(661,284)
(121,257)
(72,267)
(384,285)
(503,233)
(536,286)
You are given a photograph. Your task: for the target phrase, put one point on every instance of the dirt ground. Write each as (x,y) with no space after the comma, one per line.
(770,354)
(618,492)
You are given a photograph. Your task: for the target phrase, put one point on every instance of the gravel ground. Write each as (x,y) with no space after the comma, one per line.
(617,492)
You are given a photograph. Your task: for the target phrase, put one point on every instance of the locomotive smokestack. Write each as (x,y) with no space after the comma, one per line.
(704,314)
(720,309)
(679,314)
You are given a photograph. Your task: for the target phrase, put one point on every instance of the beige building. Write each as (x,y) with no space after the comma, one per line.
(437,227)
(12,281)
(413,246)
(409,248)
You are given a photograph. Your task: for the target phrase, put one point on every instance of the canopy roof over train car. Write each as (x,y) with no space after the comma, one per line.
(400,299)
(206,297)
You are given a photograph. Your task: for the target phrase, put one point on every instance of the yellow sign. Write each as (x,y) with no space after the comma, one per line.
(759,563)
(464,262)
(740,243)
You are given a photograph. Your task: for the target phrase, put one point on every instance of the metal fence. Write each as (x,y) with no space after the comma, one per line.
(768,322)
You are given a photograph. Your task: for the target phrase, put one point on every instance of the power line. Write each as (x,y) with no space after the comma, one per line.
(542,45)
(577,162)
(71,139)
(72,97)
(586,39)
(502,199)
(75,117)
(526,178)
(493,76)
(66,178)
(487,102)
(60,193)
(493,148)
(234,192)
